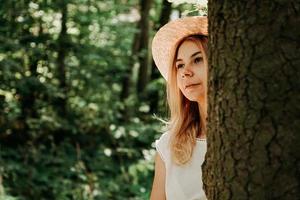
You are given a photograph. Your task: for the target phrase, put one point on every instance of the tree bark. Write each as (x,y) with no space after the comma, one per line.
(143,48)
(253,116)
(62,41)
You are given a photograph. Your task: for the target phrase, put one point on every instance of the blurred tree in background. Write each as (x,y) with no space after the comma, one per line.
(78,91)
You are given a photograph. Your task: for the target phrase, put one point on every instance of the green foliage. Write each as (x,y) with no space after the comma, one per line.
(101,147)
(91,170)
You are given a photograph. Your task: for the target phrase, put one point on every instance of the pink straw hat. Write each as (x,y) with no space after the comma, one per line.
(167,38)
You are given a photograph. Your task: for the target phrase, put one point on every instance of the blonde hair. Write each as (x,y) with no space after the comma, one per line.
(185,122)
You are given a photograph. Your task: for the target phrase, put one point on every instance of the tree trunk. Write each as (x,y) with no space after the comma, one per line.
(253,116)
(62,40)
(143,48)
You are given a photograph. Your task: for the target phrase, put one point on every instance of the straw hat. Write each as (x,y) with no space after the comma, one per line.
(167,38)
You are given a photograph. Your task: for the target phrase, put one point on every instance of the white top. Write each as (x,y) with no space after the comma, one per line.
(182,182)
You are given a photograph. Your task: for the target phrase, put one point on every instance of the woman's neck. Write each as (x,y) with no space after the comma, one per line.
(202,105)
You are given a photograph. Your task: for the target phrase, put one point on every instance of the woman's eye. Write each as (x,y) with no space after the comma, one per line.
(198,59)
(180,66)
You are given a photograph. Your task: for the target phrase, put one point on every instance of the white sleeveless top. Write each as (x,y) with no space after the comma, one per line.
(182,182)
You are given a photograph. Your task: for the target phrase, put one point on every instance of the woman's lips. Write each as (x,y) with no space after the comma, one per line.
(192,85)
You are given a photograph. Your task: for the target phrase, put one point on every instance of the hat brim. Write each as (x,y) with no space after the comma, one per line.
(167,38)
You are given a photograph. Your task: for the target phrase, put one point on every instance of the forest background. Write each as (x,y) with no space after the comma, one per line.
(80,97)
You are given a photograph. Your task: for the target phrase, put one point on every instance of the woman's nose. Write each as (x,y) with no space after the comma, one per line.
(186,72)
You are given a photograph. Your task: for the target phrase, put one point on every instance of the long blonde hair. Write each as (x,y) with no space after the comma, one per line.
(185,122)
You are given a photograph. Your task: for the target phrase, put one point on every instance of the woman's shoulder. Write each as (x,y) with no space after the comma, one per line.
(165,137)
(162,145)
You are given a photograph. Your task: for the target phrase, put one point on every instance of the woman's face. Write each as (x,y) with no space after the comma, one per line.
(191,71)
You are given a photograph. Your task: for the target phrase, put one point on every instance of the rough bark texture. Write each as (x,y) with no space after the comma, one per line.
(254,93)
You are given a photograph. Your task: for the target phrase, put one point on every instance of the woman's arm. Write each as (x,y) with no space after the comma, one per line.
(158,187)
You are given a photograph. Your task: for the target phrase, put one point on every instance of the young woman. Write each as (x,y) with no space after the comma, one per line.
(180,52)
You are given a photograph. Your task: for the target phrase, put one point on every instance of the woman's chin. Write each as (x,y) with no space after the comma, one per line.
(195,97)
